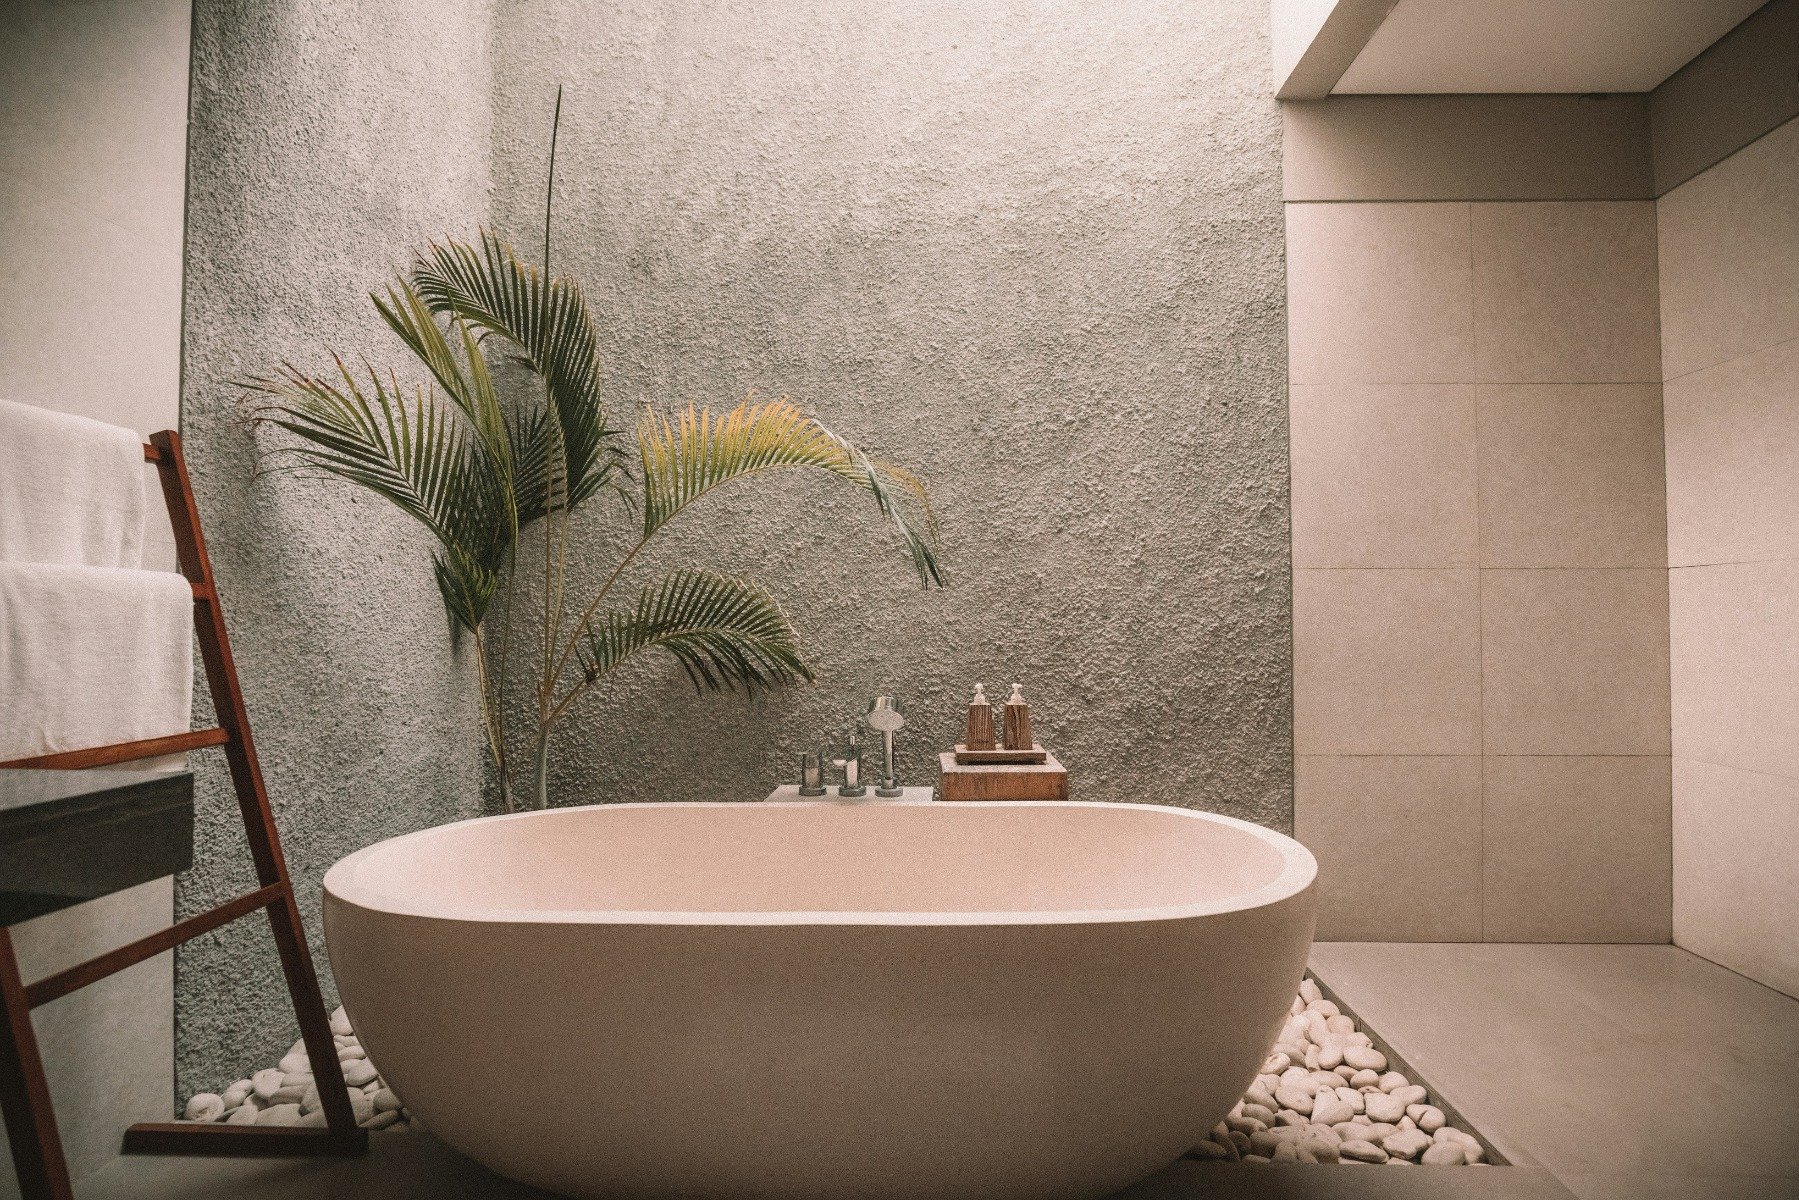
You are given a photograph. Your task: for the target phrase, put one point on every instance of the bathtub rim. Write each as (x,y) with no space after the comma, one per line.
(1299,870)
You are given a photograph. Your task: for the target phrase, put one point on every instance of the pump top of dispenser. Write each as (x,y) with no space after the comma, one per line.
(980,694)
(1017,696)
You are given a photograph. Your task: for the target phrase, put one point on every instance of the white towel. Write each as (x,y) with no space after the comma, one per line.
(92,655)
(71,489)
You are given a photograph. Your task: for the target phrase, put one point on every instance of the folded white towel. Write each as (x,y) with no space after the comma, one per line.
(71,489)
(92,655)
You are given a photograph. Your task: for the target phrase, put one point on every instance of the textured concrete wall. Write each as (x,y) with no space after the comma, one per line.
(328,137)
(1033,250)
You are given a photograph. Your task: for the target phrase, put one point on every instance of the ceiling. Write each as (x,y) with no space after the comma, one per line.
(1537,45)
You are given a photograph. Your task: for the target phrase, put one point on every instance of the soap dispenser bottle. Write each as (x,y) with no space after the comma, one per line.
(1018,721)
(980,721)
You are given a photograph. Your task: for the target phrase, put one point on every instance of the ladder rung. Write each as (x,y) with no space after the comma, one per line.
(53,987)
(121,752)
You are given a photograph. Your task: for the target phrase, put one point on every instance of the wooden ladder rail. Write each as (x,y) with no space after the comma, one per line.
(24,1092)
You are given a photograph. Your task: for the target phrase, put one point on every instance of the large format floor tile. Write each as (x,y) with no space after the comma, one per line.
(1639,1071)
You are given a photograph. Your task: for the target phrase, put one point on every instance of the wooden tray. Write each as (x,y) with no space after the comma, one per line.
(1036,754)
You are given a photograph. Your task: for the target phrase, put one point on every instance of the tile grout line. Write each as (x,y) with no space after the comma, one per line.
(1480,612)
(1724,362)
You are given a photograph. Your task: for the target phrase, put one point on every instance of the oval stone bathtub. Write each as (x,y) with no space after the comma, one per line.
(821,999)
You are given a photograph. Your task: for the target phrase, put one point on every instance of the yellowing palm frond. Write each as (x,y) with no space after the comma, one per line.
(685,458)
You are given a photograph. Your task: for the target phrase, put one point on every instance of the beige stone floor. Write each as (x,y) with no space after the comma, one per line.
(1636,1072)
(1629,1072)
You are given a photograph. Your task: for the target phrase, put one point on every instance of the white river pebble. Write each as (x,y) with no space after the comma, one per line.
(1382,1108)
(279,1114)
(1366,1152)
(1328,1108)
(1406,1143)
(204,1107)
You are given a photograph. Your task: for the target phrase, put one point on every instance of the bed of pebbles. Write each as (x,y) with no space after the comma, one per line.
(1325,1095)
(285,1094)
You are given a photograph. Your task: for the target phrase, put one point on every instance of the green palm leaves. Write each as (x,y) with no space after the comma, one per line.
(476,468)
(413,452)
(546,325)
(725,631)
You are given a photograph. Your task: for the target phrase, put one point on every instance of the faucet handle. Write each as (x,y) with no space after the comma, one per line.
(812,774)
(851,766)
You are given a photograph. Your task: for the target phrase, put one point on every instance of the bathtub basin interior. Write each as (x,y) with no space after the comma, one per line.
(716,862)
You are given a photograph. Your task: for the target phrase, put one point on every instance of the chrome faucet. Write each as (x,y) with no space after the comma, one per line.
(886,718)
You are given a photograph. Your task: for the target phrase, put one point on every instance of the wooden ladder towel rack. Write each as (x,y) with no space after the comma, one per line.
(24,1094)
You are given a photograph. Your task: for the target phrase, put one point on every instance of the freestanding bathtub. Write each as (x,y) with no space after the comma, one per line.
(928,1001)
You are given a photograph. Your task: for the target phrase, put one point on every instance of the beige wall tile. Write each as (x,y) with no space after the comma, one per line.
(1386,661)
(1383,475)
(1571,475)
(1575,661)
(1398,846)
(1565,292)
(1577,849)
(1730,256)
(1733,459)
(1736,872)
(1379,293)
(1735,679)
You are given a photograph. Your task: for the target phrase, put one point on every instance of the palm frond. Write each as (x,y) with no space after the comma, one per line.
(684,459)
(415,454)
(472,388)
(552,333)
(725,631)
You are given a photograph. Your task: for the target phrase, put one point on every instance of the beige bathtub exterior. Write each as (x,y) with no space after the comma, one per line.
(823,1000)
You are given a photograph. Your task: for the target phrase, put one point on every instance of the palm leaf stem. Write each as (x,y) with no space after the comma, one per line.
(491,710)
(585,622)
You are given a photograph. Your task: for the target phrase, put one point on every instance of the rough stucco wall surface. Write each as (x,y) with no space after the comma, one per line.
(1033,250)
(328,137)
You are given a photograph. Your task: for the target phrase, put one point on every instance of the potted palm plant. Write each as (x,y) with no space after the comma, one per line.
(483,467)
